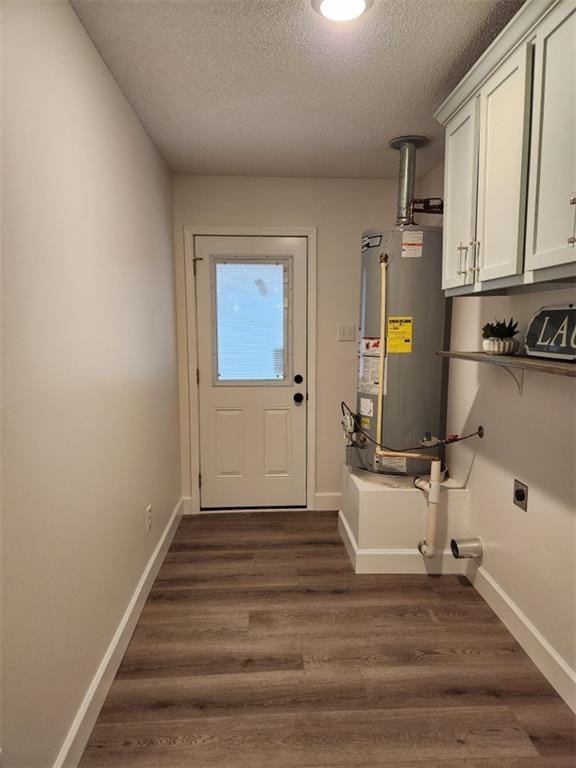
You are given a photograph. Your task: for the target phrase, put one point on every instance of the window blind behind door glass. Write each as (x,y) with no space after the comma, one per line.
(250,321)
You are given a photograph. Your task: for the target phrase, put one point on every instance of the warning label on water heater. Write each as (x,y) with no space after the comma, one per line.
(412,244)
(390,462)
(399,338)
(366,407)
(369,365)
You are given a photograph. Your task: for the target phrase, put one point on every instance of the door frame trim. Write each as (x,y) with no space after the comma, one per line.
(190,409)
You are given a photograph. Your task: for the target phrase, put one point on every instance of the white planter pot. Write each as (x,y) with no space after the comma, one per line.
(500,346)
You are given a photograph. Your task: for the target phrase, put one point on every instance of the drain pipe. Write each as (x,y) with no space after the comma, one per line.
(427,547)
(466,548)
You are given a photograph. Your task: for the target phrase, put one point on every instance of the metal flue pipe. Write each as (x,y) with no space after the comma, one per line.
(407,146)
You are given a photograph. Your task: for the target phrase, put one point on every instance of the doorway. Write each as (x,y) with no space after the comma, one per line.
(253,377)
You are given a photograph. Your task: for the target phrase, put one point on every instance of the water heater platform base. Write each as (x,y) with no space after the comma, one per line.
(383,518)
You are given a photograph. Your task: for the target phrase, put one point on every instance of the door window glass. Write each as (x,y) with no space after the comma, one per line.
(251,314)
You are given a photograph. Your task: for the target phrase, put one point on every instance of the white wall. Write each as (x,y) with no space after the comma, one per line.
(530,555)
(432,185)
(340,209)
(1,362)
(529,437)
(90,389)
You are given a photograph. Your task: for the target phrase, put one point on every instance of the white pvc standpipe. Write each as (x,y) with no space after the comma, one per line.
(428,546)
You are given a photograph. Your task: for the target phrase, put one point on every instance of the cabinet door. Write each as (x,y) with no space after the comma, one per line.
(502,171)
(551,215)
(460,187)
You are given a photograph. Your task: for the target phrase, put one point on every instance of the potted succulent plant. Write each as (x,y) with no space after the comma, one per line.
(498,337)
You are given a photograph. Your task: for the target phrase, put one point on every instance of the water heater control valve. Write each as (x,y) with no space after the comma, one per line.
(429,441)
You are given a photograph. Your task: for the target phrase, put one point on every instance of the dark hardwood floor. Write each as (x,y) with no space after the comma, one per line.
(259,647)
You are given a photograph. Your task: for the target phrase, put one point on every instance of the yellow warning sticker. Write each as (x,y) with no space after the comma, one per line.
(365,422)
(399,335)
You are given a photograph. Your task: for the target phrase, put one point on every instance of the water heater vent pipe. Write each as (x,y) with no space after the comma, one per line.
(407,146)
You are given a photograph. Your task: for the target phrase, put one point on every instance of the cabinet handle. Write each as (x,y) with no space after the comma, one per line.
(461,248)
(573,200)
(472,267)
(572,240)
(475,260)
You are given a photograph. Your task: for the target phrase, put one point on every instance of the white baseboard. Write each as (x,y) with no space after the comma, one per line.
(348,538)
(188,506)
(326,502)
(558,673)
(395,560)
(248,510)
(81,728)
(323,502)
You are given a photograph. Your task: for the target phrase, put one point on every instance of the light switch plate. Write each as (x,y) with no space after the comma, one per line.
(346,332)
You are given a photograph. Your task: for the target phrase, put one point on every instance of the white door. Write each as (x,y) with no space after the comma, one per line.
(460,187)
(503,161)
(551,237)
(251,299)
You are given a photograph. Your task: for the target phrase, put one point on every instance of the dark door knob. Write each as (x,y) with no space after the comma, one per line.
(298,378)
(298,397)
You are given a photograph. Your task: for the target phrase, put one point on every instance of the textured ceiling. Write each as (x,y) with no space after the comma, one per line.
(270,88)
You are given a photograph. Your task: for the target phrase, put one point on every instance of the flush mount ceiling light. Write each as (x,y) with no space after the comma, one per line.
(341,10)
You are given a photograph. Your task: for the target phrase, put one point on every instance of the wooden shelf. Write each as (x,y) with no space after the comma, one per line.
(555,367)
(519,363)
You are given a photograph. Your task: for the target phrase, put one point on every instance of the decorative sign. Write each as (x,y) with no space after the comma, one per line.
(552,333)
(399,335)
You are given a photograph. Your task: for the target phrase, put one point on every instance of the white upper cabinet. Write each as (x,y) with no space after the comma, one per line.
(510,178)
(551,222)
(502,170)
(460,190)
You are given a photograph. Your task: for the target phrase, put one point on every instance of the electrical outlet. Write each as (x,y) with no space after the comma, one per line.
(346,332)
(148,519)
(521,495)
